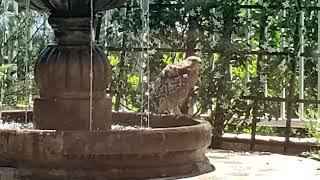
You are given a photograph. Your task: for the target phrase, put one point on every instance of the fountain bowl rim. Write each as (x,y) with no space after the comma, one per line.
(200,124)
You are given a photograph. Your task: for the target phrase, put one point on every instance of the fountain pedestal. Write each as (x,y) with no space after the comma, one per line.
(63,76)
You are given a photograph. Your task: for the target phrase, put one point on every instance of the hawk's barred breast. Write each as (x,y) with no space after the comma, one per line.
(174,82)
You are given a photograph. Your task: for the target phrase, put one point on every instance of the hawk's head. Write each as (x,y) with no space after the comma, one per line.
(194,61)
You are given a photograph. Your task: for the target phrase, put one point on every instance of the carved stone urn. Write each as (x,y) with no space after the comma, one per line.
(62,72)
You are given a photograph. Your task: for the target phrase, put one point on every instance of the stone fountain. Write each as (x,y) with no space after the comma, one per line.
(62,146)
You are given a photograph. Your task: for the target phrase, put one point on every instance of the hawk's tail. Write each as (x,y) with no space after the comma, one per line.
(153,105)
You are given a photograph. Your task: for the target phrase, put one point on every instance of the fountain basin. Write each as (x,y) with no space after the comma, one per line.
(171,147)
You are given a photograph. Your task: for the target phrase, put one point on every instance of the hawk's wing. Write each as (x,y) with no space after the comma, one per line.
(171,79)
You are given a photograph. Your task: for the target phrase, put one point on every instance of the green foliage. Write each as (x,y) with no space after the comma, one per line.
(3,70)
(114,60)
(245,128)
(22,37)
(313,124)
(134,81)
(312,154)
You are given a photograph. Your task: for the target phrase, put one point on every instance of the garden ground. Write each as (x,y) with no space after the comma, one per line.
(259,166)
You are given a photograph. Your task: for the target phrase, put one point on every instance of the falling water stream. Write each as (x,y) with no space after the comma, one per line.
(91,61)
(144,66)
(145,63)
(2,78)
(26,60)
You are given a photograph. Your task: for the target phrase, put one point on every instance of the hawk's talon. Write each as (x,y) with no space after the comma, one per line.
(178,116)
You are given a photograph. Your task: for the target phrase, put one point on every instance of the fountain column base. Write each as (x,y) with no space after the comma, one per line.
(72,114)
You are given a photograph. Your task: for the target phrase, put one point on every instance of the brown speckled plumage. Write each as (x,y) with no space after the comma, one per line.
(174,83)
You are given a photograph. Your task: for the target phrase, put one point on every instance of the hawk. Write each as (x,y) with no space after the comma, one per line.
(173,84)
